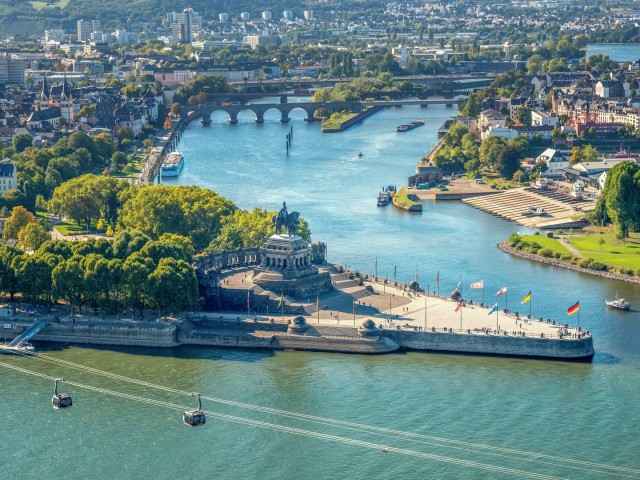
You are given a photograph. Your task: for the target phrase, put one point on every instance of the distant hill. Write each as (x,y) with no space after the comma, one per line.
(26,17)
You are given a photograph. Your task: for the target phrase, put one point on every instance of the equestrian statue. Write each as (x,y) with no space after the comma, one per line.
(285,221)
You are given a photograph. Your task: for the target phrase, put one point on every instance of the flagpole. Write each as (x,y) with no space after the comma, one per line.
(483,291)
(425,308)
(318,307)
(497,324)
(438,282)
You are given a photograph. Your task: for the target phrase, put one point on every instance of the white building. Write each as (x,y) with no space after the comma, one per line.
(500,132)
(223,17)
(11,69)
(553,159)
(8,176)
(267,16)
(245,16)
(308,15)
(542,119)
(54,35)
(287,14)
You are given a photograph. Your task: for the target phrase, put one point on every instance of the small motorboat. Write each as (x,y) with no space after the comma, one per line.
(360,155)
(618,304)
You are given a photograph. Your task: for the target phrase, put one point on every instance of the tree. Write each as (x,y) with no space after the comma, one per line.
(622,197)
(34,276)
(20,217)
(21,142)
(32,236)
(68,281)
(8,278)
(173,285)
(193,212)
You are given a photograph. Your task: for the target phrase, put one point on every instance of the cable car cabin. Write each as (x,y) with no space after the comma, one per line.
(194,418)
(60,400)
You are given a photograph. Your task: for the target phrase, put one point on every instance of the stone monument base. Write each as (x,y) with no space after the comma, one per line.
(286,268)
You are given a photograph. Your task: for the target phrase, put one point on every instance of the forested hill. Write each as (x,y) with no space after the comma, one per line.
(40,14)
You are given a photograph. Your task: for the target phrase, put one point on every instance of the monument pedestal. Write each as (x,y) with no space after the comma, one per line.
(286,268)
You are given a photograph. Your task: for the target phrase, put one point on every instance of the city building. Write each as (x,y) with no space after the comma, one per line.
(245,16)
(8,176)
(84,29)
(223,17)
(185,24)
(543,119)
(255,41)
(11,69)
(308,15)
(287,15)
(267,16)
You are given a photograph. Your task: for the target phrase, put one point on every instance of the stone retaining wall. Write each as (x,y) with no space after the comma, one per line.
(566,349)
(554,262)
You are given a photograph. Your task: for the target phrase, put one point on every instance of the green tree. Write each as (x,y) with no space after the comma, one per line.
(20,217)
(622,197)
(68,281)
(32,236)
(173,286)
(193,212)
(21,142)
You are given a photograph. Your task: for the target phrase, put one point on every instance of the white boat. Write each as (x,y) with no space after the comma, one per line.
(172,165)
(618,304)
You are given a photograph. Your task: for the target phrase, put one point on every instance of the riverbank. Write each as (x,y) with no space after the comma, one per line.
(341,121)
(555,262)
(404,200)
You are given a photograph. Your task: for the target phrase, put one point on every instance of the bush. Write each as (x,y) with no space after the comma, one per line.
(557,255)
(545,252)
(550,235)
(566,258)
(586,263)
(599,266)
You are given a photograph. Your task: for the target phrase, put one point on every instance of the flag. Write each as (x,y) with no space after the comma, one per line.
(502,291)
(458,306)
(477,285)
(493,309)
(526,298)
(575,308)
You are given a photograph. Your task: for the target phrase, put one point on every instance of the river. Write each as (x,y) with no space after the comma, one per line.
(566,410)
(619,52)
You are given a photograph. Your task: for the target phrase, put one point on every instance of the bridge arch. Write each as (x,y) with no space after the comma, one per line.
(207,115)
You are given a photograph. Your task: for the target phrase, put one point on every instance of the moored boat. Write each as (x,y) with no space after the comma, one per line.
(172,165)
(384,198)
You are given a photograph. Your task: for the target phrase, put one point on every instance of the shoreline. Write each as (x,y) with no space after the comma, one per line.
(554,262)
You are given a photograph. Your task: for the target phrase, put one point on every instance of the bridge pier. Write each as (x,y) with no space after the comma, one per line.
(284,117)
(259,117)
(233,118)
(206,121)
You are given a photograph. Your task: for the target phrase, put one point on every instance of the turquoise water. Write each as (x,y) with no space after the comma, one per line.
(620,52)
(588,412)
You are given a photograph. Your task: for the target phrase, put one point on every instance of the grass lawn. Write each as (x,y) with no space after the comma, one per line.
(41,5)
(618,253)
(70,228)
(545,242)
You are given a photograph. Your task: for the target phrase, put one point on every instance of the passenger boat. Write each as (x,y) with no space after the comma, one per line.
(384,198)
(172,165)
(405,127)
(618,304)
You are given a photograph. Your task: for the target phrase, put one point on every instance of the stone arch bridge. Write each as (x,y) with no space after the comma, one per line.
(259,109)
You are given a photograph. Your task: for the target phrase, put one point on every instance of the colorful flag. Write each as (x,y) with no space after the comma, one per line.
(493,309)
(458,306)
(575,308)
(502,291)
(527,298)
(477,285)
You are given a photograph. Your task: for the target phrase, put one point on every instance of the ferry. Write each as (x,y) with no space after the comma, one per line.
(618,304)
(384,198)
(405,127)
(172,165)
